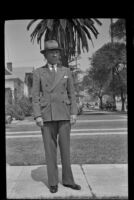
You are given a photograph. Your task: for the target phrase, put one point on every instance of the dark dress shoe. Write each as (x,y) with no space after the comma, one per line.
(74,187)
(53,189)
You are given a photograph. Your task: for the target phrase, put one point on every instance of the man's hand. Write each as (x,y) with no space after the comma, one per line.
(39,121)
(73,119)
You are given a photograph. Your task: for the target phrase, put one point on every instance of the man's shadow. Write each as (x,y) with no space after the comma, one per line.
(40,175)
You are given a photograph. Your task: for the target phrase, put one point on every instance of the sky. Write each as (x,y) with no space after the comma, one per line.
(23,53)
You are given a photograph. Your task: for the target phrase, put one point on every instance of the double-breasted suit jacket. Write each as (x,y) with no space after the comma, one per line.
(57,101)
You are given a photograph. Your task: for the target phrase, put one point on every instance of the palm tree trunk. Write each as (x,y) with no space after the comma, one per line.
(112,40)
(64,60)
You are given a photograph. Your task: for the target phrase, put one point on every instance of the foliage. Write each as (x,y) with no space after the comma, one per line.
(75,73)
(19,109)
(118,29)
(80,108)
(106,61)
(29,79)
(15,111)
(108,70)
(8,119)
(71,34)
(25,105)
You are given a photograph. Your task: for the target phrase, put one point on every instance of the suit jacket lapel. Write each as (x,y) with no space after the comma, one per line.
(47,78)
(58,76)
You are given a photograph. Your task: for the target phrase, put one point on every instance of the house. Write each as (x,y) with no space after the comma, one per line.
(8,69)
(13,88)
(25,74)
(14,85)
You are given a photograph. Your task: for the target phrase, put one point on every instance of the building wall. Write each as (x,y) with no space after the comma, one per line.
(8,96)
(9,84)
(16,87)
(19,88)
(26,93)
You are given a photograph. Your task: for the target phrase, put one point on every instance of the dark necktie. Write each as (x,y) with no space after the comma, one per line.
(53,72)
(52,67)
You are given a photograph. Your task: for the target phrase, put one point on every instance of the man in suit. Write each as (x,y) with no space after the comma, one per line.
(54,111)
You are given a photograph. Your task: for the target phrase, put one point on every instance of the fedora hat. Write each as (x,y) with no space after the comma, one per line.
(50,45)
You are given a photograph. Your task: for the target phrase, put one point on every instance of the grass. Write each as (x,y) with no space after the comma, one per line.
(22,127)
(84,150)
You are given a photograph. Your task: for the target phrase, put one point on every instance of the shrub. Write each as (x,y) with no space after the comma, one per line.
(25,105)
(80,108)
(15,111)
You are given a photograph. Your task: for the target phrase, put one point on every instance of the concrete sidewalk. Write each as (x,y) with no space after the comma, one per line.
(96,180)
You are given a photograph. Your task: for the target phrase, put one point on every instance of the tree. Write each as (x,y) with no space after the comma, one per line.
(72,34)
(118,29)
(29,82)
(110,56)
(120,82)
(77,84)
(96,82)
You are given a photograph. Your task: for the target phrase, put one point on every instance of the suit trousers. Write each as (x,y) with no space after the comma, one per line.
(51,132)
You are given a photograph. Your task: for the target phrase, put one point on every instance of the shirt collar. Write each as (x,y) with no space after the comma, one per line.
(50,66)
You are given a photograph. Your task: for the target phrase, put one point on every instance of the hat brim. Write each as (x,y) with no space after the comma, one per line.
(43,51)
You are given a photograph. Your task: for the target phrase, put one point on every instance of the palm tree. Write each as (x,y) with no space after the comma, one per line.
(72,34)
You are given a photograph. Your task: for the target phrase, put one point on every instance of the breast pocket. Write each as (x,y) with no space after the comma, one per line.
(63,83)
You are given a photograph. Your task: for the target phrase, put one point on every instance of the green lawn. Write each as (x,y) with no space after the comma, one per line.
(21,127)
(84,150)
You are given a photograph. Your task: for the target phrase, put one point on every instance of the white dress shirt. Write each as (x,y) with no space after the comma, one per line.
(50,67)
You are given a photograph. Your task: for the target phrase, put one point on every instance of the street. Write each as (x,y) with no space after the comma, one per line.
(87,124)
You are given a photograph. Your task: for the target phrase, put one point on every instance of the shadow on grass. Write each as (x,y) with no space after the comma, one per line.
(40,175)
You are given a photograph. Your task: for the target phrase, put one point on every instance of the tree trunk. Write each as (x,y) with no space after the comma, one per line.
(123,102)
(114,103)
(64,60)
(101,103)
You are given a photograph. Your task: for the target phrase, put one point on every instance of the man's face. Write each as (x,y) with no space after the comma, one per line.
(52,56)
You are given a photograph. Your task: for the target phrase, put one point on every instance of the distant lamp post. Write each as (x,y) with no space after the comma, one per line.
(112,41)
(76,77)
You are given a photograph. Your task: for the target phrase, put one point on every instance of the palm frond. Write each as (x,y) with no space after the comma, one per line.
(78,45)
(48,35)
(71,35)
(89,21)
(88,34)
(94,31)
(98,22)
(41,31)
(89,24)
(63,23)
(81,34)
(36,30)
(30,23)
(50,24)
